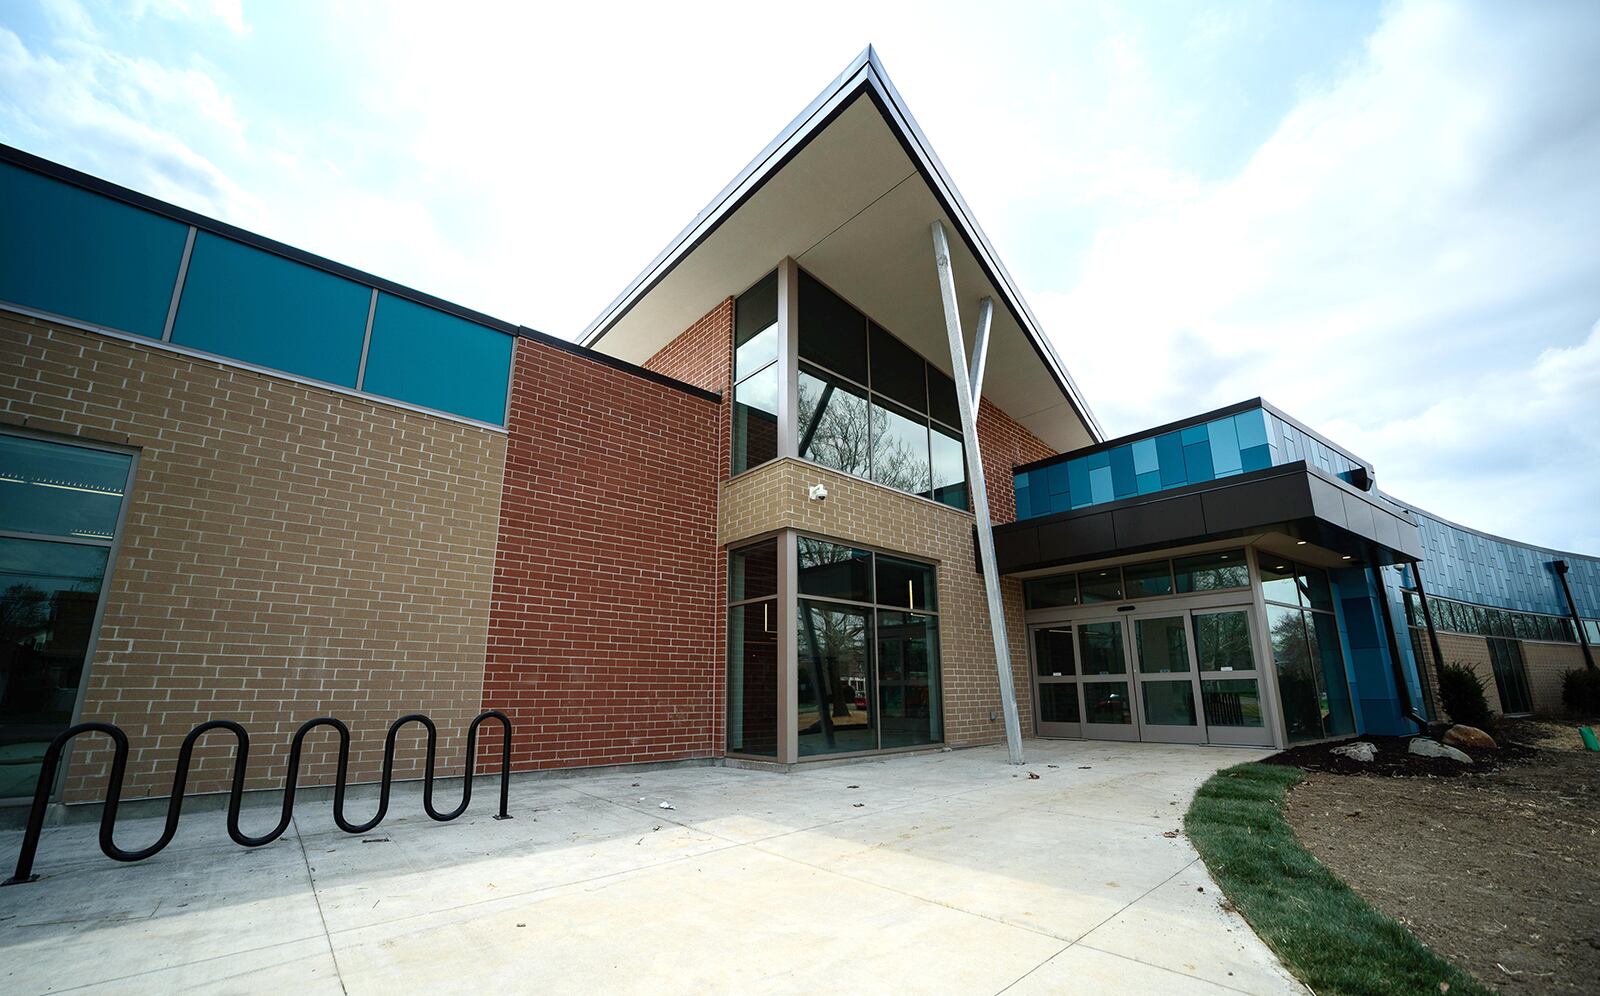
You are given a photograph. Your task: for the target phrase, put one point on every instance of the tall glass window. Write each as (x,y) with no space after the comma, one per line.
(59,508)
(870,406)
(868,641)
(1305,648)
(755,374)
(753,650)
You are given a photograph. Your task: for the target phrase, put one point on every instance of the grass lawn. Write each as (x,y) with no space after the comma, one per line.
(1326,934)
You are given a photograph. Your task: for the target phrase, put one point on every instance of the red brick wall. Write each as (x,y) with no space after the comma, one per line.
(605,632)
(1005,444)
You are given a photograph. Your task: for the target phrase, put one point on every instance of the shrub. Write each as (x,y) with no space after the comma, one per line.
(1463,694)
(1580,691)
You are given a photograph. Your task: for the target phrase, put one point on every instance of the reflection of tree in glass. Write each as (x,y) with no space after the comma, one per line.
(833,645)
(1297,684)
(24,610)
(1225,641)
(839,429)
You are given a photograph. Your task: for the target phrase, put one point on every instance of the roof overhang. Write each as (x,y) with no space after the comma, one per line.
(1294,501)
(850,189)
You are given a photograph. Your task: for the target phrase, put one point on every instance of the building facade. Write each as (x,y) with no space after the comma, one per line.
(241,481)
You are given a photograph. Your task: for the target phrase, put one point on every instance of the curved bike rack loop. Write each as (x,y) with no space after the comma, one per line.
(180,778)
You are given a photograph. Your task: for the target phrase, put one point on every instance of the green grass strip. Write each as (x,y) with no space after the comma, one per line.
(1328,936)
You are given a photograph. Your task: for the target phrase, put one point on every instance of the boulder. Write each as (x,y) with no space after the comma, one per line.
(1468,736)
(1362,751)
(1423,747)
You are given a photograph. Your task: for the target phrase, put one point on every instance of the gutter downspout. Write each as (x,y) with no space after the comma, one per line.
(1572,607)
(1408,708)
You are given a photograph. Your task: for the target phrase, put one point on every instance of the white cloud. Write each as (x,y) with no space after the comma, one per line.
(1408,262)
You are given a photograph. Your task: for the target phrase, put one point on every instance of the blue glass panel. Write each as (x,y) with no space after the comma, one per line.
(1252,428)
(84,256)
(1100,487)
(1224,447)
(1057,483)
(438,361)
(1041,502)
(1194,434)
(1169,448)
(1145,460)
(1148,483)
(1197,463)
(260,308)
(1078,478)
(1256,458)
(1122,481)
(1096,461)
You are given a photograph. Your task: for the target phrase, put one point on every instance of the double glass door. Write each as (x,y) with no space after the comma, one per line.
(1172,676)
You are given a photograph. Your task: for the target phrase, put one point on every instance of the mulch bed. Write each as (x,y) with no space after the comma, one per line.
(1393,761)
(1496,866)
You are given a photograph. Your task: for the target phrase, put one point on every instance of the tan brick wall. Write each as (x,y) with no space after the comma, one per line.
(1546,663)
(1462,649)
(859,512)
(290,552)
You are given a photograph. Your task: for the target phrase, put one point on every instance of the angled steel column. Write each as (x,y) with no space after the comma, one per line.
(980,348)
(965,379)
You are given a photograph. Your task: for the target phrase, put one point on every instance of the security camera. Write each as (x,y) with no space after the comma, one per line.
(817,492)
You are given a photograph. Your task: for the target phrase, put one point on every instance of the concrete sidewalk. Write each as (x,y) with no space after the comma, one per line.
(944,872)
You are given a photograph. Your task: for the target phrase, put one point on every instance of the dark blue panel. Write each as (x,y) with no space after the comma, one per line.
(1197,463)
(1150,482)
(1169,450)
(265,309)
(84,256)
(1057,479)
(1122,476)
(1256,458)
(1194,434)
(438,361)
(1096,461)
(1078,482)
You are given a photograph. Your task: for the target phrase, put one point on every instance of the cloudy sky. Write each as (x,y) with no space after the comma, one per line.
(1383,217)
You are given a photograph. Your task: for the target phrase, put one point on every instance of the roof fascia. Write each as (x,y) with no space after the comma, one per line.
(864,74)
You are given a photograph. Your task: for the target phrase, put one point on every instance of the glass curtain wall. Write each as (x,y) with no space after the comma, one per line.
(755,374)
(1312,684)
(868,651)
(870,406)
(59,507)
(753,650)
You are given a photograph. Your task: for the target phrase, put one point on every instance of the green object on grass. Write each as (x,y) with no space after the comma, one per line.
(1328,936)
(1589,739)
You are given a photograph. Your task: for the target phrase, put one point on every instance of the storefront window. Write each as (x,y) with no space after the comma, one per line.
(868,651)
(753,650)
(1312,684)
(60,503)
(870,406)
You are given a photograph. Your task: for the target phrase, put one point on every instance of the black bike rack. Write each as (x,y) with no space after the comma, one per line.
(119,765)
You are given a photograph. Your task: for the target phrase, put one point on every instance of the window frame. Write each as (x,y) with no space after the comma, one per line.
(113,548)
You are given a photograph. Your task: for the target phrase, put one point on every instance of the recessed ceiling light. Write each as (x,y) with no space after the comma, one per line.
(1300,543)
(1347,556)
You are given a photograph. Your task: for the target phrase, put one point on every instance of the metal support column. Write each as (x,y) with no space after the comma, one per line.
(966,378)
(1572,607)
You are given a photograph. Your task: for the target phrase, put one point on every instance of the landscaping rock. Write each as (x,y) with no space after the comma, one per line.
(1423,747)
(1363,752)
(1469,736)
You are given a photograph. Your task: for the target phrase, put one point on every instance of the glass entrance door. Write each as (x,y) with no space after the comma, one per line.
(1166,680)
(1173,676)
(1056,706)
(1108,712)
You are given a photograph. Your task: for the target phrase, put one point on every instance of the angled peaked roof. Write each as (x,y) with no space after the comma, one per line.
(850,189)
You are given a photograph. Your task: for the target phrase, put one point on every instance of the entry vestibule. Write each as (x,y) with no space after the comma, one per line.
(1163,673)
(1165,651)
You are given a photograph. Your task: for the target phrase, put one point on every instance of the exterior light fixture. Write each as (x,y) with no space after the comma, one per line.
(1347,556)
(1299,542)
